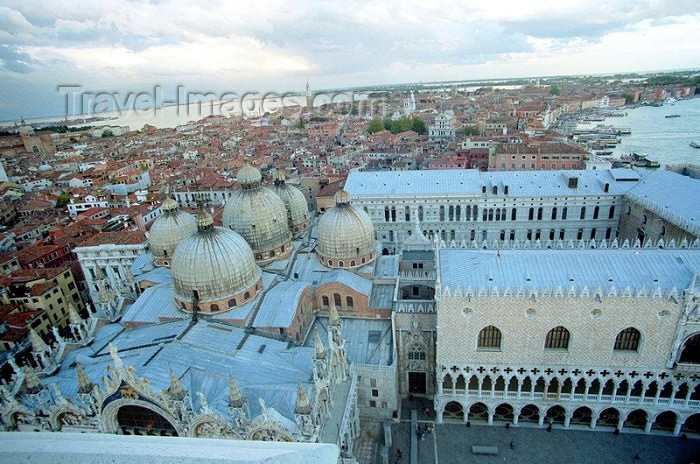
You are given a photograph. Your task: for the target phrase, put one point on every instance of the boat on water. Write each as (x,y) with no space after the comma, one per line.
(637,160)
(672,116)
(695,144)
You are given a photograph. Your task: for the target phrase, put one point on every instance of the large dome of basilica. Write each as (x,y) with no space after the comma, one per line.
(168,230)
(345,235)
(259,216)
(215,267)
(298,214)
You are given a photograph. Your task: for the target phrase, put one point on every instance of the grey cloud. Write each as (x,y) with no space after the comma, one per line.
(14,61)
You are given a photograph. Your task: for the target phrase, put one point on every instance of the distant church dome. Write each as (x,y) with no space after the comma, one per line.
(259,216)
(345,235)
(215,266)
(298,215)
(168,230)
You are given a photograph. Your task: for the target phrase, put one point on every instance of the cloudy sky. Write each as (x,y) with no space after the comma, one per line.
(238,46)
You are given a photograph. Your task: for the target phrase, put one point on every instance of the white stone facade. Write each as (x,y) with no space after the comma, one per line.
(563,357)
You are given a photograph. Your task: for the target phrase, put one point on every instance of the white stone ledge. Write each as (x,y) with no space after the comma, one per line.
(49,448)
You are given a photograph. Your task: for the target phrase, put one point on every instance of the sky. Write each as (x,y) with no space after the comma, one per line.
(126,46)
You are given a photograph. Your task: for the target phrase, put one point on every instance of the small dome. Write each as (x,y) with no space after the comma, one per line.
(218,265)
(342,197)
(168,230)
(345,235)
(249,177)
(259,216)
(298,214)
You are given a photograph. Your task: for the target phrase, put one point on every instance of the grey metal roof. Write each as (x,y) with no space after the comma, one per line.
(470,182)
(158,275)
(354,281)
(203,356)
(279,304)
(674,197)
(367,341)
(155,302)
(636,268)
(382,296)
(387,267)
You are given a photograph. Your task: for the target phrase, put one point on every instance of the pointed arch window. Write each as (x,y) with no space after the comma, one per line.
(628,340)
(489,338)
(557,339)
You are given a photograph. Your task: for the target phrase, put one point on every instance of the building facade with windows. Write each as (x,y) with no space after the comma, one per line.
(468,206)
(572,337)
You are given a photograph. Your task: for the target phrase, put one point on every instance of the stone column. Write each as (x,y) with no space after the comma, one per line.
(647,426)
(540,419)
(567,420)
(515,417)
(677,427)
(594,421)
(620,423)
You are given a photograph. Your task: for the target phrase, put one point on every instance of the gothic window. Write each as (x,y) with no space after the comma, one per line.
(554,213)
(611,213)
(593,232)
(564,210)
(531,214)
(407,214)
(539,214)
(337,300)
(442,213)
(420,213)
(458,213)
(557,338)
(386,214)
(451,213)
(513,214)
(628,340)
(489,338)
(324,301)
(583,213)
(349,301)
(596,210)
(416,353)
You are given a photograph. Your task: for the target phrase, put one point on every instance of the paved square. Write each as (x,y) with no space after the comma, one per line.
(453,444)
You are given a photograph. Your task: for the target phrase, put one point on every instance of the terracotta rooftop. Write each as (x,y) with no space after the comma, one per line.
(120,237)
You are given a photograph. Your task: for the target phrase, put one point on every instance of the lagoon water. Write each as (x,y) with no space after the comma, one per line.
(665,140)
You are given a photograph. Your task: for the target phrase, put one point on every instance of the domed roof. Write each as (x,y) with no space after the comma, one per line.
(259,216)
(294,201)
(248,176)
(167,231)
(345,231)
(216,262)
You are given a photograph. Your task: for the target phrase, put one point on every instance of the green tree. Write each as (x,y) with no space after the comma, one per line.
(470,130)
(62,200)
(629,98)
(375,125)
(555,90)
(107,133)
(419,126)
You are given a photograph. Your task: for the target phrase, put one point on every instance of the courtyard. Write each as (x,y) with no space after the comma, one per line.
(452,444)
